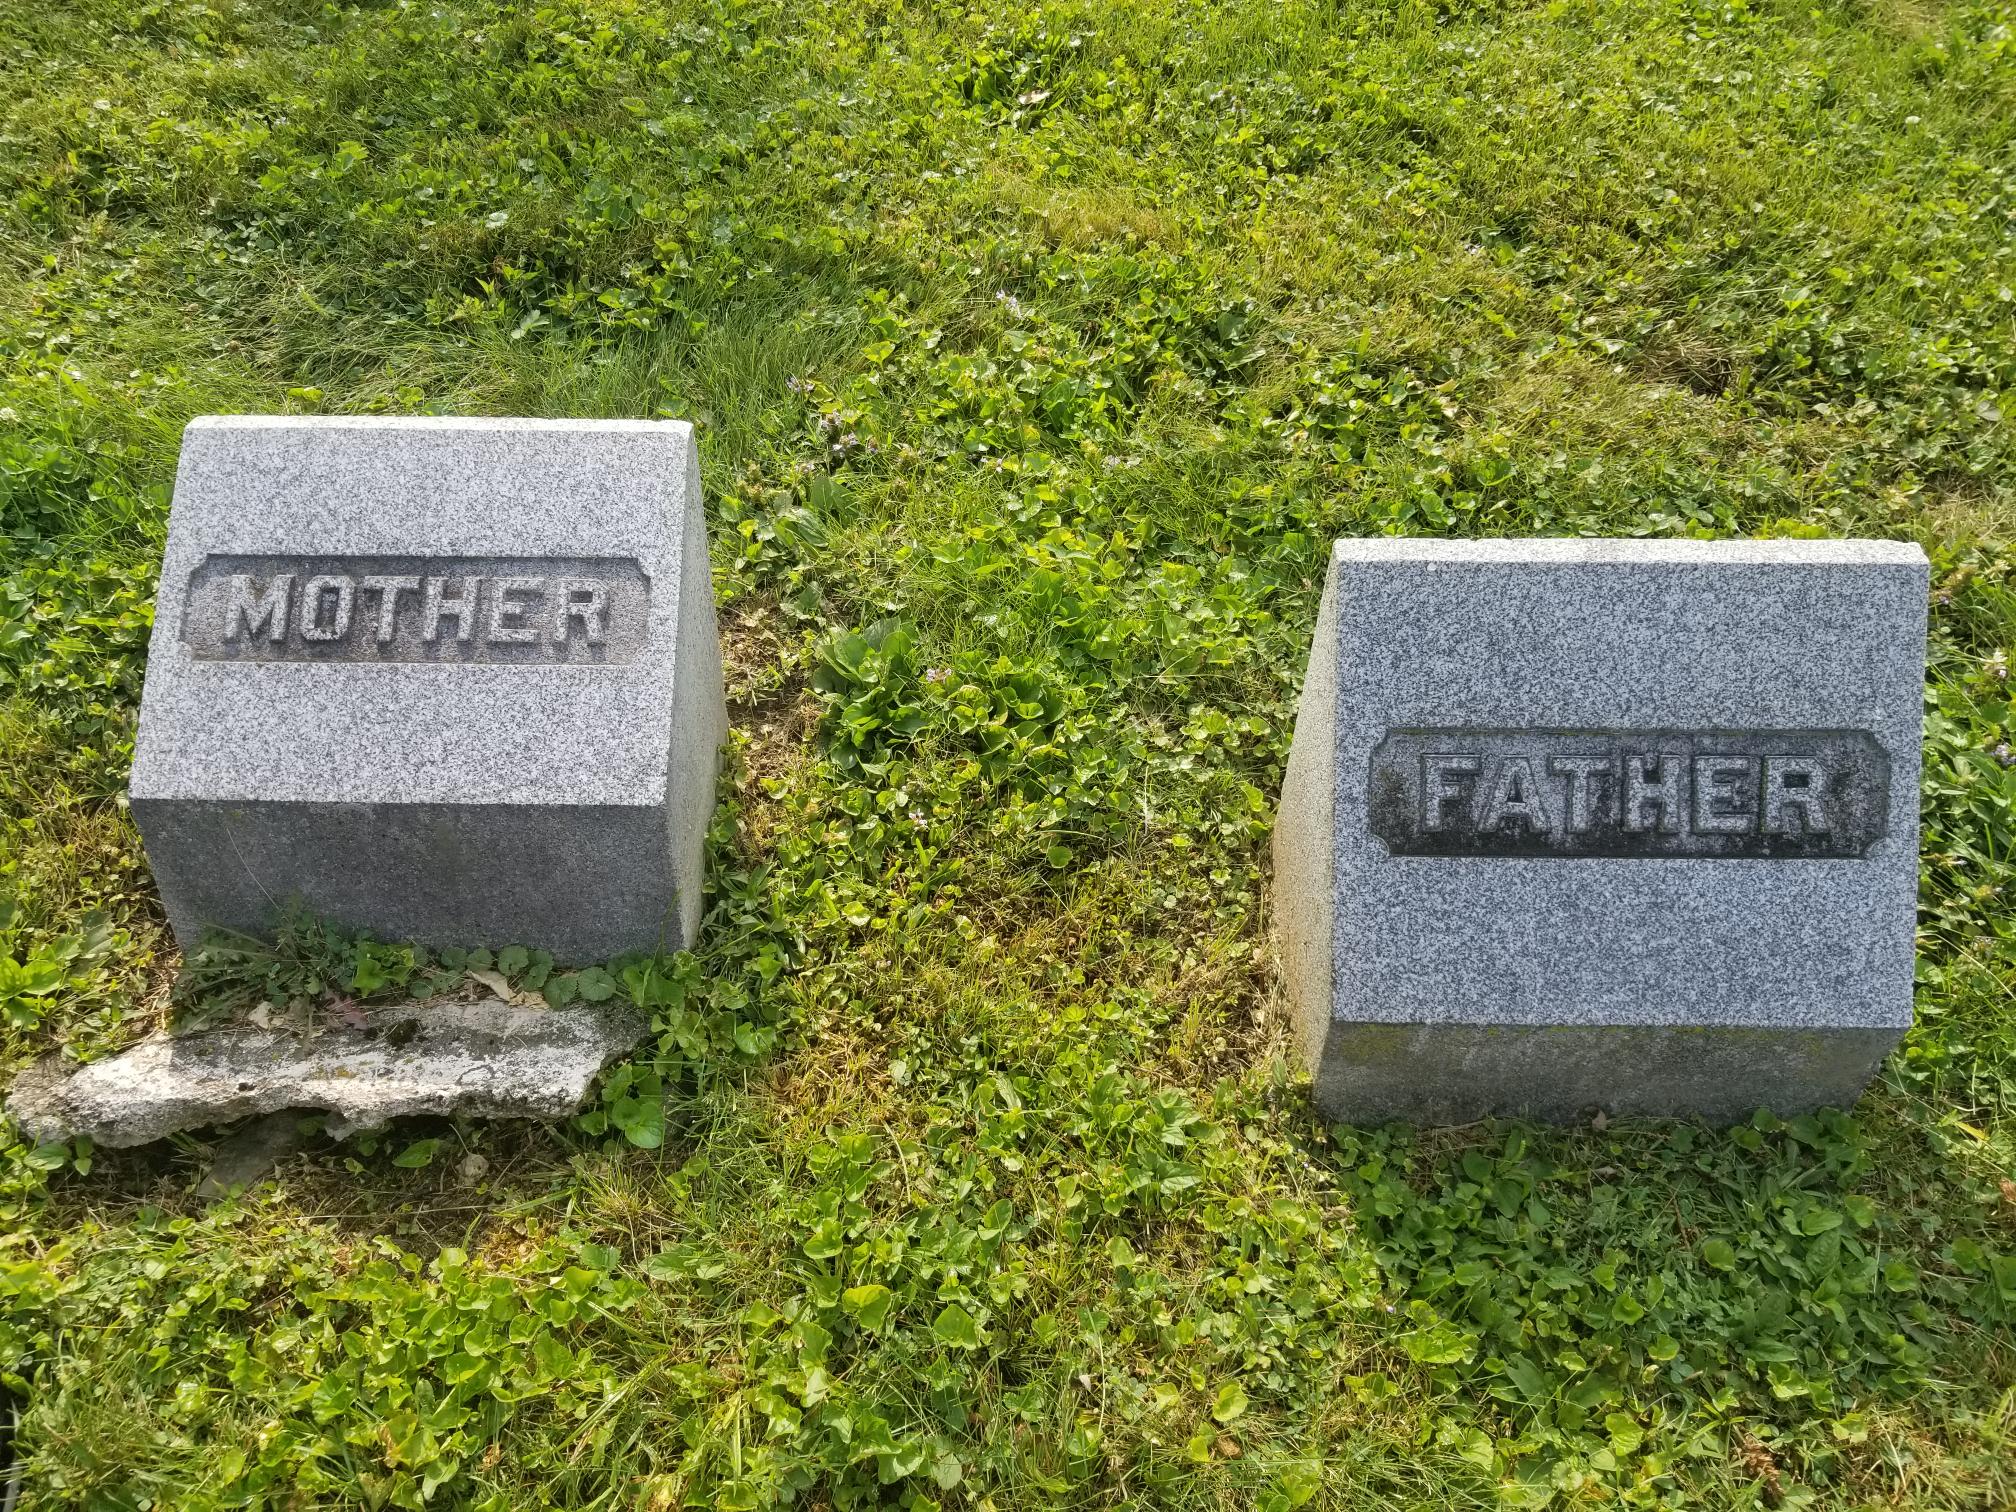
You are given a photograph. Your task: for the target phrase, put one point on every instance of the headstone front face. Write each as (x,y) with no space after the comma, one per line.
(1604,824)
(453,681)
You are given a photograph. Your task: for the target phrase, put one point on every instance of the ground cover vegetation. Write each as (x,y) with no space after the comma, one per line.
(1037,353)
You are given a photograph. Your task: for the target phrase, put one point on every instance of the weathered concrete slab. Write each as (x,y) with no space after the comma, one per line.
(1618,824)
(453,681)
(475,1060)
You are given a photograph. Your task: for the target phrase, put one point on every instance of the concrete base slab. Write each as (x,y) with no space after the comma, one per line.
(474,1060)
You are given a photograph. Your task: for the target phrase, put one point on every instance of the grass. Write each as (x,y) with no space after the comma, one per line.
(1037,355)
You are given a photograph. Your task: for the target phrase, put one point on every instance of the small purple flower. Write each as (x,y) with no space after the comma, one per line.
(936,675)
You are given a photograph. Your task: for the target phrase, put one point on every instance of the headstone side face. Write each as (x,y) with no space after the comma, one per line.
(1620,825)
(451,681)
(699,716)
(1304,855)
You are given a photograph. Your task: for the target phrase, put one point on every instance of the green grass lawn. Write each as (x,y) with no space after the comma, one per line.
(1038,352)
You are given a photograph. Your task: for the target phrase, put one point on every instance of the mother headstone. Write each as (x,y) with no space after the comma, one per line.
(452,681)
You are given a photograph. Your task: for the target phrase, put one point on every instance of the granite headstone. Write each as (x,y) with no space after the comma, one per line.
(1622,825)
(452,681)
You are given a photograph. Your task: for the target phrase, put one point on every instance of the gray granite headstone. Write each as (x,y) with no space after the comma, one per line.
(1630,825)
(453,681)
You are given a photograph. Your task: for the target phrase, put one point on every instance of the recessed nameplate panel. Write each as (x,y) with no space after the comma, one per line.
(1698,795)
(527,610)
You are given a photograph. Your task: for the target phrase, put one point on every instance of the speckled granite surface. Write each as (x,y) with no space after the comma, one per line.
(1603,638)
(544,779)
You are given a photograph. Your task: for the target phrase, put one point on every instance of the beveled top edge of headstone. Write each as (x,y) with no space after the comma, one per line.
(388,485)
(1626,551)
(432,422)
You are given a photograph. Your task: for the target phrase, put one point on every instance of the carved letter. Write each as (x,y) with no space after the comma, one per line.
(434,607)
(249,610)
(388,590)
(507,616)
(1514,794)
(1581,773)
(312,594)
(1437,789)
(1795,782)
(586,601)
(1667,792)
(1724,791)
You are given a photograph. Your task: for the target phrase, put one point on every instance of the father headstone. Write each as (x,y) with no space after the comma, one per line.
(453,681)
(1626,825)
